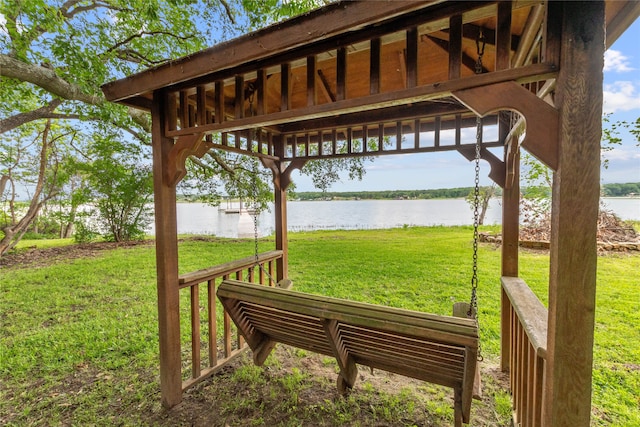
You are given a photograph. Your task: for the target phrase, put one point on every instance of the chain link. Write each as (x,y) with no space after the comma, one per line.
(256,203)
(473,304)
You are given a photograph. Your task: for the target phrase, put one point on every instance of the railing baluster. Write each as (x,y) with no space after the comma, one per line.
(213,323)
(195,331)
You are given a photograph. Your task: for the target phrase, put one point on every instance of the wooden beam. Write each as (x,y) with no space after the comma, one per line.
(503,36)
(467,61)
(455,46)
(201,100)
(341,74)
(311,80)
(285,86)
(261,88)
(412,57)
(219,102)
(239,98)
(382,100)
(574,216)
(623,20)
(374,66)
(326,90)
(166,261)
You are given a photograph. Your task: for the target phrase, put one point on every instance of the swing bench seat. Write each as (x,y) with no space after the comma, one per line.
(437,349)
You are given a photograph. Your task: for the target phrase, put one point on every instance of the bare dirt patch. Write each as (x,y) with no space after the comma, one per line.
(34,257)
(227,401)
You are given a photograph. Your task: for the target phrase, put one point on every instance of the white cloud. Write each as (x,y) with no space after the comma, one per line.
(621,96)
(614,60)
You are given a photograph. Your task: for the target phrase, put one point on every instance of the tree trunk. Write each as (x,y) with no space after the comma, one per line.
(485,197)
(13,233)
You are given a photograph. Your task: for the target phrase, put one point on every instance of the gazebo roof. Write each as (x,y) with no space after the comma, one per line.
(353,70)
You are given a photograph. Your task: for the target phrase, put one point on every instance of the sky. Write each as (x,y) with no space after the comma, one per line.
(450,169)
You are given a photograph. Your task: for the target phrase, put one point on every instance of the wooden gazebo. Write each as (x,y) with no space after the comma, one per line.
(359,78)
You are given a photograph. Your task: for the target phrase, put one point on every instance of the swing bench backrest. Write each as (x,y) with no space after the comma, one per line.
(437,349)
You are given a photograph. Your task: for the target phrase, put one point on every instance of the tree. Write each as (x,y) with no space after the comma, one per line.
(55,55)
(538,179)
(485,194)
(44,182)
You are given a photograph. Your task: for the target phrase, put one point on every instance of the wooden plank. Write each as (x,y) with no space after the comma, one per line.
(574,216)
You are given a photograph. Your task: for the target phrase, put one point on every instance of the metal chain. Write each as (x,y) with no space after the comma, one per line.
(473,304)
(254,194)
(256,203)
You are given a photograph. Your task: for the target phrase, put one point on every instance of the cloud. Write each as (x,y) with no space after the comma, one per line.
(614,60)
(621,96)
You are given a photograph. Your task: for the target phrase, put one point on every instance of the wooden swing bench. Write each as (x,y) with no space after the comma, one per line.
(437,349)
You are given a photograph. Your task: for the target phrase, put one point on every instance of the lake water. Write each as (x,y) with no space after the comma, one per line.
(198,218)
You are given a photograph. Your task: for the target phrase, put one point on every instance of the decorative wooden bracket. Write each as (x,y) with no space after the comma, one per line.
(282,178)
(541,118)
(498,169)
(185,146)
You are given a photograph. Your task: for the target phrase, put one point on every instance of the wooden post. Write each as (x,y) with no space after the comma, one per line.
(575,199)
(280,207)
(510,191)
(166,260)
(510,241)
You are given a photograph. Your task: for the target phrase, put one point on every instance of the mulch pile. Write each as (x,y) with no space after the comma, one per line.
(613,234)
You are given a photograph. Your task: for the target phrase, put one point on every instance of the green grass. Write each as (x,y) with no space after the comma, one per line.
(79,340)
(42,243)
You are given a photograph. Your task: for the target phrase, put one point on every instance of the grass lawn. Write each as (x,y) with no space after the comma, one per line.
(78,337)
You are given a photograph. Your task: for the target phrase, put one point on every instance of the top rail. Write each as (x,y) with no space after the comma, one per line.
(531,312)
(199,276)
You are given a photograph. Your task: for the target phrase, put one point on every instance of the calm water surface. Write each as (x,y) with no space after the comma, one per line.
(198,218)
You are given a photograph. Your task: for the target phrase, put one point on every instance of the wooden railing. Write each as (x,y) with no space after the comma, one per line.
(230,341)
(527,351)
